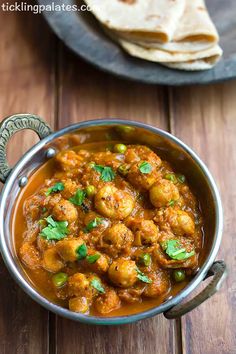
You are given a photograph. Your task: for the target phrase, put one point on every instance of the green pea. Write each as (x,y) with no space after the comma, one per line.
(90,191)
(123,170)
(59,279)
(145,259)
(121,148)
(125,129)
(92,164)
(171,177)
(179,275)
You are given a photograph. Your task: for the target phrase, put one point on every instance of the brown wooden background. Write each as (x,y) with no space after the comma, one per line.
(39,75)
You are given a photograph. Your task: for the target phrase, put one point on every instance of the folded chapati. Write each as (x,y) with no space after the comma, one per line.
(161,56)
(151,19)
(195,65)
(195,31)
(178,34)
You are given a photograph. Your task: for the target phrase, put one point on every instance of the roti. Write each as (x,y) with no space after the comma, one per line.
(194,32)
(160,56)
(178,34)
(149,19)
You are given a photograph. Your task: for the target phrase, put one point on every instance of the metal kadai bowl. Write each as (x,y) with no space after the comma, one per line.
(168,147)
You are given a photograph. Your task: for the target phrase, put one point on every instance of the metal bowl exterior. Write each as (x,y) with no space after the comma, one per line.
(5,235)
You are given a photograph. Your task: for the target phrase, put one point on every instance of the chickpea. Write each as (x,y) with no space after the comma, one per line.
(118,238)
(65,211)
(160,284)
(90,216)
(107,302)
(141,152)
(164,261)
(52,200)
(140,180)
(99,265)
(30,255)
(79,285)
(52,262)
(67,249)
(181,223)
(133,294)
(162,193)
(79,304)
(123,273)
(114,203)
(70,188)
(146,232)
(69,159)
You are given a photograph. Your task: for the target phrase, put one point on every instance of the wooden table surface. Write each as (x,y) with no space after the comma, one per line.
(39,75)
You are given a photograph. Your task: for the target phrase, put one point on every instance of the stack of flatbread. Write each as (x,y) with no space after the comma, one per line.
(176,33)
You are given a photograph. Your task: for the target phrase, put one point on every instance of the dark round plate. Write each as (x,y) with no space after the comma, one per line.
(81,32)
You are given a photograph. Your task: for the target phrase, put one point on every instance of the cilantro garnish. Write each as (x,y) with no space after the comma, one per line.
(141,276)
(174,250)
(96,284)
(93,258)
(107,173)
(92,224)
(145,167)
(81,251)
(55,230)
(171,202)
(78,198)
(59,186)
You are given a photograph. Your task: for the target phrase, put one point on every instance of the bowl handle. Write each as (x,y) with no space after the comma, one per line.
(219,272)
(12,125)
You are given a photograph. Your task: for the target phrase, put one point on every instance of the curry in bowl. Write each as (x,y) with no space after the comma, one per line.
(108,229)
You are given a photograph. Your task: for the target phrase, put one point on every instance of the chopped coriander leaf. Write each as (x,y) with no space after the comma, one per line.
(145,259)
(107,173)
(141,276)
(93,258)
(81,251)
(181,178)
(55,230)
(92,224)
(171,177)
(145,167)
(51,221)
(78,198)
(174,250)
(44,210)
(59,186)
(171,203)
(96,284)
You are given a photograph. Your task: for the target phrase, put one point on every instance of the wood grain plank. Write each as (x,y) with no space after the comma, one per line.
(26,85)
(204,117)
(86,93)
